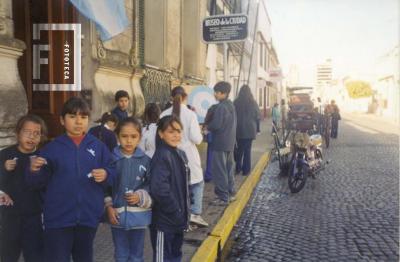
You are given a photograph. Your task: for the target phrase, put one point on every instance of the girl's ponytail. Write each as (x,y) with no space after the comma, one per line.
(178,94)
(176,105)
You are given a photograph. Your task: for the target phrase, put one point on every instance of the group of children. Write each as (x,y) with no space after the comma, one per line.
(140,176)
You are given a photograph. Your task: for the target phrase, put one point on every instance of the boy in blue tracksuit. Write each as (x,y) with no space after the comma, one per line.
(75,168)
(129,209)
(169,189)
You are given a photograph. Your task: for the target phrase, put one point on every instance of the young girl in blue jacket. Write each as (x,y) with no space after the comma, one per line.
(169,189)
(128,210)
(22,205)
(75,169)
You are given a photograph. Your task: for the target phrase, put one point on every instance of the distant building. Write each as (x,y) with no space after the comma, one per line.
(387,85)
(323,77)
(324,73)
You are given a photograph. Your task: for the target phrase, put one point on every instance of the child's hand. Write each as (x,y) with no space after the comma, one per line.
(10,164)
(99,175)
(6,200)
(37,163)
(112,215)
(132,198)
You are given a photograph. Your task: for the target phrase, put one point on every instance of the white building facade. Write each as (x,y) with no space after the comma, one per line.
(387,85)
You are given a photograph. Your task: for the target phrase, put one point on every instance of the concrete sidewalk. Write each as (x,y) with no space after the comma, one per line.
(104,249)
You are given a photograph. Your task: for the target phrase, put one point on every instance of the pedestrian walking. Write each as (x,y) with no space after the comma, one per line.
(276,115)
(122,100)
(191,137)
(150,118)
(105,131)
(335,119)
(283,117)
(223,128)
(129,210)
(169,189)
(21,223)
(248,114)
(74,168)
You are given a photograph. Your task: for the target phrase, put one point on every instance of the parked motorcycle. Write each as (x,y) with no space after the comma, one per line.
(306,160)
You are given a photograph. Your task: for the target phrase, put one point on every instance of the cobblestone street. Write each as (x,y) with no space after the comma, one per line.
(349,213)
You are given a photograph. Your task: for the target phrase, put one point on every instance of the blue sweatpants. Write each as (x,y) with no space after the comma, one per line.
(62,243)
(128,244)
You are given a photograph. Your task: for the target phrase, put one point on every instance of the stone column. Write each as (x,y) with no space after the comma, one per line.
(13,100)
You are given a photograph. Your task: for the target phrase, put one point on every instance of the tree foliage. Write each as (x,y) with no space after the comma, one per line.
(358,89)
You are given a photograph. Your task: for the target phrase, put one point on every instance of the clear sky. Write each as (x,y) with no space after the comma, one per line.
(353,33)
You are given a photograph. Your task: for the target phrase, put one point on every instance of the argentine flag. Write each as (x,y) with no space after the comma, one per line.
(109,15)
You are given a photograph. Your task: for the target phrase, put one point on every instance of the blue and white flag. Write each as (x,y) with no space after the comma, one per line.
(109,15)
(201,98)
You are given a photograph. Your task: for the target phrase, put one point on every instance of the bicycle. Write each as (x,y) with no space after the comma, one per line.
(281,150)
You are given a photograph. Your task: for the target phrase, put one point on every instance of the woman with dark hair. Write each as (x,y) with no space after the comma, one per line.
(191,137)
(248,114)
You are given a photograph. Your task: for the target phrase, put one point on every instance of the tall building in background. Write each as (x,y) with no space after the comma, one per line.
(324,73)
(323,78)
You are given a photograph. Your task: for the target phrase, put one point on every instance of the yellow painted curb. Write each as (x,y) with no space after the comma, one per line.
(208,251)
(220,233)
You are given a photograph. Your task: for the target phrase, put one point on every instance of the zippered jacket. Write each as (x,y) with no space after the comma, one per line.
(72,197)
(131,174)
(223,126)
(169,189)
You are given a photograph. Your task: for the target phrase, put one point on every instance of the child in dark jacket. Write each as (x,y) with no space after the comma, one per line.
(169,189)
(75,168)
(22,211)
(122,100)
(105,131)
(223,128)
(128,210)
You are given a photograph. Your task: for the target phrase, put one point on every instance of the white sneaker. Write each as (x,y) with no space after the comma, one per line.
(197,219)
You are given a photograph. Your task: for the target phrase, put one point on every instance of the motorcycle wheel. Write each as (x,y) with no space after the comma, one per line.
(297,176)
